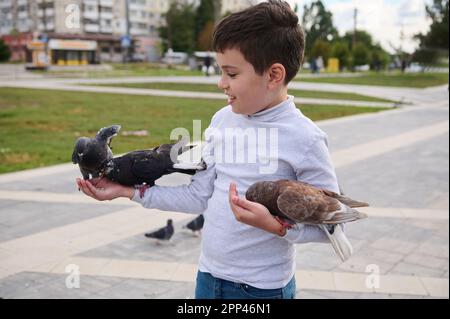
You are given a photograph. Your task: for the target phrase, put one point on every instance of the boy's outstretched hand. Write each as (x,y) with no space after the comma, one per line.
(253,214)
(103,189)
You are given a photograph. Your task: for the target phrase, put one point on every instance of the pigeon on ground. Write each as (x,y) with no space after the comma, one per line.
(297,202)
(162,234)
(92,154)
(95,159)
(195,225)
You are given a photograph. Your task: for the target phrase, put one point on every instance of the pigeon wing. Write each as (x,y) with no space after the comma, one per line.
(159,234)
(148,166)
(344,199)
(196,224)
(306,207)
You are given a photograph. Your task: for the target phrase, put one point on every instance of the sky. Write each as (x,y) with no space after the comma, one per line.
(383,19)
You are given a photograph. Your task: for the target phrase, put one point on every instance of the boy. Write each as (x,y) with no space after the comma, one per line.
(246,253)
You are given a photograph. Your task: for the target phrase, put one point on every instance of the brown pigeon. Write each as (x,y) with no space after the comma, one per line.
(297,202)
(303,203)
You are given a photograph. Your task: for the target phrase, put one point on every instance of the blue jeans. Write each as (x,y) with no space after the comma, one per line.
(209,287)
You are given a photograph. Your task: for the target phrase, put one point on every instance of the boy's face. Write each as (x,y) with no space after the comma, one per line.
(248,92)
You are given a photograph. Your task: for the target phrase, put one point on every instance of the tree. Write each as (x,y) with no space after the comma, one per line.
(437,36)
(340,51)
(204,40)
(5,53)
(379,58)
(425,56)
(205,17)
(321,48)
(318,24)
(360,54)
(178,33)
(361,37)
(434,43)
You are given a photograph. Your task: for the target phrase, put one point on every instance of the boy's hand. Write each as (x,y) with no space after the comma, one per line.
(253,213)
(103,189)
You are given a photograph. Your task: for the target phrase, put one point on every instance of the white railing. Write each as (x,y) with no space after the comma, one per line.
(106,3)
(92,15)
(91,27)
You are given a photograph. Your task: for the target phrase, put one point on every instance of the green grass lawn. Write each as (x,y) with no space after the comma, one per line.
(39,127)
(125,70)
(398,79)
(213,88)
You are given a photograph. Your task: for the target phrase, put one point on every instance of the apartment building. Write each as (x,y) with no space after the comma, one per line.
(104,21)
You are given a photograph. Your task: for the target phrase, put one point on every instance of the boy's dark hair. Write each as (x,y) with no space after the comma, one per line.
(265,34)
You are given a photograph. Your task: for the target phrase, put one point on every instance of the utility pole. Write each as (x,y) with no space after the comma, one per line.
(355,19)
(402,38)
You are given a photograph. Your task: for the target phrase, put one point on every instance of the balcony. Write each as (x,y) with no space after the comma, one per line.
(6,4)
(135,31)
(106,29)
(50,26)
(22,15)
(5,30)
(93,28)
(48,12)
(90,2)
(23,28)
(91,15)
(106,15)
(106,3)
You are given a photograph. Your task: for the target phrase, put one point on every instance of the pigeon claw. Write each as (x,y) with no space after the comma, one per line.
(284,223)
(142,189)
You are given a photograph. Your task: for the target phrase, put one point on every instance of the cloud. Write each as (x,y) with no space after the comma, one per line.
(385,20)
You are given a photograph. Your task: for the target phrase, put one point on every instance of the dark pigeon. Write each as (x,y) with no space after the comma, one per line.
(196,224)
(146,166)
(162,234)
(92,154)
(95,159)
(297,202)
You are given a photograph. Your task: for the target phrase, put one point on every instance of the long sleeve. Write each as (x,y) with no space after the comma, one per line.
(192,198)
(317,170)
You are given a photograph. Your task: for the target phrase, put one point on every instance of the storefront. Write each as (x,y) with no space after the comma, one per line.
(72,52)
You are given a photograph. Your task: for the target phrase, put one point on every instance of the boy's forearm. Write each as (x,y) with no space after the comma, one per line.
(128,192)
(276,228)
(183,198)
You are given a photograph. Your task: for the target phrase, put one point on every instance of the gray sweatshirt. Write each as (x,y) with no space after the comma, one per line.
(278,143)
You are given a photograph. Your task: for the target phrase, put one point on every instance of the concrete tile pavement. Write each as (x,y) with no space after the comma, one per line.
(409,244)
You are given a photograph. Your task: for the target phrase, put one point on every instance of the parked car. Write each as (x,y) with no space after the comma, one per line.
(362,68)
(172,57)
(414,67)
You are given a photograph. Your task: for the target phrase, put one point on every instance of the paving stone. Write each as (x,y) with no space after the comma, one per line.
(407,269)
(415,176)
(427,261)
(26,218)
(184,246)
(388,180)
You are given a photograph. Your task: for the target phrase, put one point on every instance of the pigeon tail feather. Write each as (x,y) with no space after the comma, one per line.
(339,241)
(347,215)
(350,202)
(106,133)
